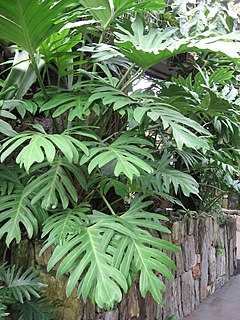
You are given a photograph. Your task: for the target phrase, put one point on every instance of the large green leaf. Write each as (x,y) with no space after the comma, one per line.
(176,121)
(3,313)
(74,103)
(106,10)
(112,96)
(28,23)
(59,49)
(16,211)
(102,10)
(6,116)
(122,6)
(83,254)
(149,48)
(21,76)
(55,183)
(19,285)
(164,178)
(142,253)
(39,141)
(101,251)
(9,178)
(63,224)
(122,154)
(36,309)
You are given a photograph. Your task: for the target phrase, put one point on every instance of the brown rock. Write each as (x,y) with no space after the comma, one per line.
(179,261)
(133,307)
(191,226)
(113,315)
(196,272)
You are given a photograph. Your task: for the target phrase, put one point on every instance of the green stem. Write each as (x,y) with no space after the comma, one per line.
(108,205)
(114,202)
(130,81)
(42,87)
(38,75)
(100,41)
(100,117)
(125,76)
(82,55)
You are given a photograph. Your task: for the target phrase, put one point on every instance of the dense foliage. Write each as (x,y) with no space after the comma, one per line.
(84,153)
(20,294)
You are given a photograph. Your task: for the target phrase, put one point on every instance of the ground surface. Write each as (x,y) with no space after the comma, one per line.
(222,305)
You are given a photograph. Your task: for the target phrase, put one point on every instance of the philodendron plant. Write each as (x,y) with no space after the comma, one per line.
(82,152)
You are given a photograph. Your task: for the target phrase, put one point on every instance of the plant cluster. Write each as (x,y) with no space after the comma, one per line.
(83,153)
(20,295)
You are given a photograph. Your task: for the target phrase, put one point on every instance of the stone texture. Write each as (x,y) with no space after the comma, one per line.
(133,306)
(204,275)
(196,272)
(178,232)
(231,258)
(113,315)
(179,261)
(66,308)
(215,230)
(189,253)
(220,265)
(188,293)
(191,226)
(212,272)
(172,299)
(197,296)
(151,307)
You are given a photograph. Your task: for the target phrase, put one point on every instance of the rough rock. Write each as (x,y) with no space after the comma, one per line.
(178,232)
(172,299)
(196,272)
(212,272)
(196,289)
(189,253)
(188,293)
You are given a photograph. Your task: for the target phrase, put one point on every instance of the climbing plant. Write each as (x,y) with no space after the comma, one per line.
(84,154)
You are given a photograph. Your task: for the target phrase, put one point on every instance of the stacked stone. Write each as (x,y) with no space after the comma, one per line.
(206,262)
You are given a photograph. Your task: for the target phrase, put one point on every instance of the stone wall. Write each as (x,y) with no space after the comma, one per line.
(206,262)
